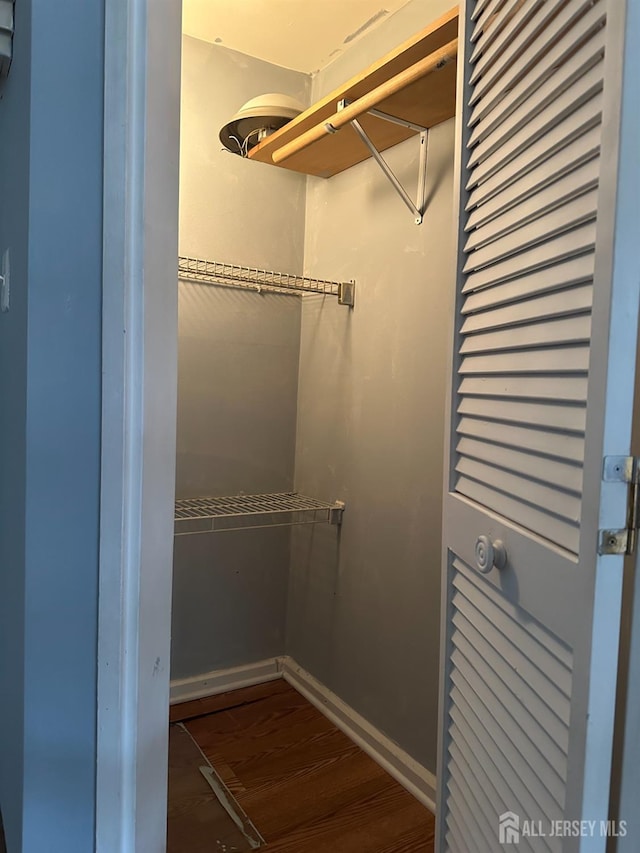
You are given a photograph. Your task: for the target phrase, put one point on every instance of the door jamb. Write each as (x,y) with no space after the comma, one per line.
(627,781)
(139,351)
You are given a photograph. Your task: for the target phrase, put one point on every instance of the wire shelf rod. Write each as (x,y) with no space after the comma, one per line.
(241,512)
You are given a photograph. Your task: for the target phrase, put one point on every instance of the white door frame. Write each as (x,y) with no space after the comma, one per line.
(142,107)
(139,349)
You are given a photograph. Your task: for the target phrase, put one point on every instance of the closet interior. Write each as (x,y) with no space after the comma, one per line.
(315,279)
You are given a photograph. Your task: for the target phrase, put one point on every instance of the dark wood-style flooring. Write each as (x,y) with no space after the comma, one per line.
(303,783)
(197,821)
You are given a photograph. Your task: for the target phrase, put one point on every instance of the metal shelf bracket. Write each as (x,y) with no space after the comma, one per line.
(417,209)
(336,512)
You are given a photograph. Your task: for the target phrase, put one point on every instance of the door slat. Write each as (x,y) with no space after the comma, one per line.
(551,472)
(483,120)
(549,730)
(544,785)
(483,206)
(572,188)
(550,527)
(465,581)
(524,288)
(492,42)
(556,417)
(562,303)
(540,133)
(536,115)
(499,171)
(580,241)
(565,359)
(556,222)
(559,330)
(528,49)
(546,442)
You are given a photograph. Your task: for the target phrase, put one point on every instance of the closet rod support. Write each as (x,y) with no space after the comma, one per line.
(422,174)
(419,128)
(416,210)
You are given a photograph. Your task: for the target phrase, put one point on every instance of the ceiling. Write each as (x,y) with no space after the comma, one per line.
(297,34)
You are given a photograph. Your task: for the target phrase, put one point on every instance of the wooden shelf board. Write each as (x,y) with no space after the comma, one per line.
(428,102)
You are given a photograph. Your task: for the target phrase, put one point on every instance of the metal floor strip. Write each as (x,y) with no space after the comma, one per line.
(227,800)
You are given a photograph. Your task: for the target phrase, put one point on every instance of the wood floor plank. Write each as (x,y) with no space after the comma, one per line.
(420,838)
(246,737)
(242,731)
(316,794)
(260,745)
(368,825)
(272,710)
(306,786)
(226,774)
(306,757)
(197,822)
(223,701)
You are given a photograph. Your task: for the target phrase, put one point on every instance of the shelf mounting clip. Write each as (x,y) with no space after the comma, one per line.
(418,208)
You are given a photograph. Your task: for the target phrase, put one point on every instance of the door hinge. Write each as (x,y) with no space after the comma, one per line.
(622,469)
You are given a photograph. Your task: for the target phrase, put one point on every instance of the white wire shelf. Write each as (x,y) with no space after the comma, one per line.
(233,275)
(246,512)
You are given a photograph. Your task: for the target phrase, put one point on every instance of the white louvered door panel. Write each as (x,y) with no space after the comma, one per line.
(542,389)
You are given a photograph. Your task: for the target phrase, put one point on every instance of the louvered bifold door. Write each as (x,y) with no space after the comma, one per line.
(542,380)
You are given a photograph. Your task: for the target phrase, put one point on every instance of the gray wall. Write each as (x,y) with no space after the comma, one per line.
(230,209)
(394,30)
(238,376)
(364,610)
(237,388)
(51,217)
(238,367)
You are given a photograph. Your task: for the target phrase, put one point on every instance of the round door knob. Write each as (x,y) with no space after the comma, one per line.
(489,554)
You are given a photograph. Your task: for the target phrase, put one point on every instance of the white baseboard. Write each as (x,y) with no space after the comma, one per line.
(222,680)
(398,763)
